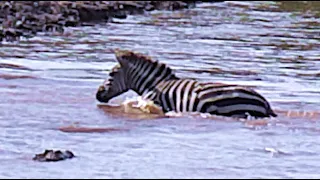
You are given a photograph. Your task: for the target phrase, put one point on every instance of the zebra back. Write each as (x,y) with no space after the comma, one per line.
(231,100)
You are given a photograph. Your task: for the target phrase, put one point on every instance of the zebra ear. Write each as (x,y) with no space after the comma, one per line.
(125,57)
(122,56)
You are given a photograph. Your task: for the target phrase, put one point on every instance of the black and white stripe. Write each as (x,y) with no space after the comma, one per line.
(157,82)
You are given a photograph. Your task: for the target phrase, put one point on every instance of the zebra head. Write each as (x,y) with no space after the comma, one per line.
(135,71)
(113,86)
(142,72)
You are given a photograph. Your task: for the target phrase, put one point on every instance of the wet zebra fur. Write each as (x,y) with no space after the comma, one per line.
(156,81)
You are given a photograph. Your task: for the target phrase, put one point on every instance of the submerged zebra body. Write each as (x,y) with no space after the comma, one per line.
(155,81)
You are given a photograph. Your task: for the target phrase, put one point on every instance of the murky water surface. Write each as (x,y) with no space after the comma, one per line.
(48,82)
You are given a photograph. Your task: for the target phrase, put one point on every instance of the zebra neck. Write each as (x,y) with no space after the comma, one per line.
(144,79)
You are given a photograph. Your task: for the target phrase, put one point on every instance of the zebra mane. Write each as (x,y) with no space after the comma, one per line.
(128,58)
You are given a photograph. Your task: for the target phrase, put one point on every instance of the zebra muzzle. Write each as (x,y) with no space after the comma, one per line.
(101,94)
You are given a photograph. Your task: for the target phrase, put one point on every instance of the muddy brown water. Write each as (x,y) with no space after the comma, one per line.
(48,85)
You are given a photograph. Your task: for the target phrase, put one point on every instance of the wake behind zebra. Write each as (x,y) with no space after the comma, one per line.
(155,81)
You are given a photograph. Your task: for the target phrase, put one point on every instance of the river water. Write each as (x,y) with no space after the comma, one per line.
(49,81)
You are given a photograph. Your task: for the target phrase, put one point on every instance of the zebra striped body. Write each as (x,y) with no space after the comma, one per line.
(185,95)
(156,81)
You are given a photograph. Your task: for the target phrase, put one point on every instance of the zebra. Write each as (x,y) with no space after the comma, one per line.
(157,82)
